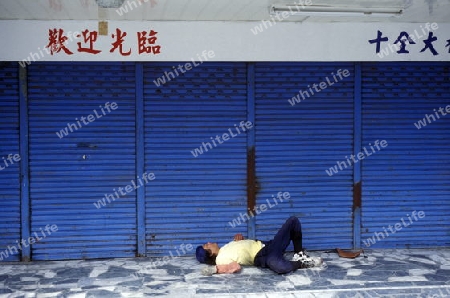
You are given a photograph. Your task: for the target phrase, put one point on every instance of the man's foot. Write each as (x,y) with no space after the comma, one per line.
(307,261)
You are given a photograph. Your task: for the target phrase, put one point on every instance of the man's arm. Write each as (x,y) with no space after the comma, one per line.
(229,268)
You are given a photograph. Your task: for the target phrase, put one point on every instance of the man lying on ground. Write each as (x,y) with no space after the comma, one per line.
(264,254)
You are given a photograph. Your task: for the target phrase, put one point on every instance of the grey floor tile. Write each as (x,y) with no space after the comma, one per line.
(385,273)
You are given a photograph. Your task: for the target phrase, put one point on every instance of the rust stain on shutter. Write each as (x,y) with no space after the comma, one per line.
(251,180)
(356,196)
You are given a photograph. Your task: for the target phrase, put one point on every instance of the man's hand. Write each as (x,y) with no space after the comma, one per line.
(210,270)
(229,268)
(238,237)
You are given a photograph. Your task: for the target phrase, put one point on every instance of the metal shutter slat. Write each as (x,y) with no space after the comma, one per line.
(63,184)
(412,173)
(9,140)
(192,198)
(296,144)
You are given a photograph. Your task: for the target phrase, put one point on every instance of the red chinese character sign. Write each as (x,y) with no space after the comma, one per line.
(143,42)
(118,43)
(56,41)
(88,38)
(150,39)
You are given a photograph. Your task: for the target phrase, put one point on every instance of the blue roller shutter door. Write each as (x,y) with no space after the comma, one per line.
(69,174)
(412,173)
(9,168)
(193,199)
(295,145)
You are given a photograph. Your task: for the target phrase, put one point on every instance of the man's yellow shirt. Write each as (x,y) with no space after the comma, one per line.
(243,252)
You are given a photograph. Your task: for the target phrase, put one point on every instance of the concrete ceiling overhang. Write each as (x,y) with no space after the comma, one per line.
(414,11)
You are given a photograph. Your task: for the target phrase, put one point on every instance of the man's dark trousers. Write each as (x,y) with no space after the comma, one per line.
(271,255)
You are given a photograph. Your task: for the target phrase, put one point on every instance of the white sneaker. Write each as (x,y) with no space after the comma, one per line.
(307,260)
(299,256)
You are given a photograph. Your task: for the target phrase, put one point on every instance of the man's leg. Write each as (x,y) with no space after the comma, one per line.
(291,230)
(272,255)
(280,265)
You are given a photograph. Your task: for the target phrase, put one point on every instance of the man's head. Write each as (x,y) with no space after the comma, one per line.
(207,253)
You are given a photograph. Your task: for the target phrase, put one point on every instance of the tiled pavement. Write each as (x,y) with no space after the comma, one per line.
(383,273)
